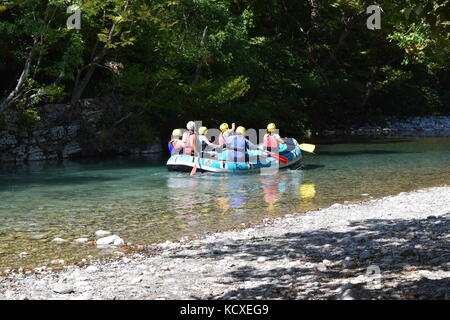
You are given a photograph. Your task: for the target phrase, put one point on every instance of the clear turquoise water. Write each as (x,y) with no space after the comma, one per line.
(140,201)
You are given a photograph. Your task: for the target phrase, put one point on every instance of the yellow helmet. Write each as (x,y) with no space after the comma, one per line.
(271,127)
(224,127)
(177,133)
(202,130)
(240,130)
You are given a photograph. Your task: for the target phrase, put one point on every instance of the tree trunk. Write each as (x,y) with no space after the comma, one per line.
(82,81)
(14,94)
(198,70)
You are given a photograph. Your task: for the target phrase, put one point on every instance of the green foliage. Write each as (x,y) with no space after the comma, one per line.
(304,67)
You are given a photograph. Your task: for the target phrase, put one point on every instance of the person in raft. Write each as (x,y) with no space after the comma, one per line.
(204,141)
(190,139)
(226,132)
(176,145)
(271,139)
(237,146)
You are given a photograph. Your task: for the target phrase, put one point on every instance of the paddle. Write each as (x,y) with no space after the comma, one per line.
(307,147)
(194,169)
(276,156)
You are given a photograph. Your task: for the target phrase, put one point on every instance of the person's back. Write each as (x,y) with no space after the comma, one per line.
(189,139)
(176,145)
(237,146)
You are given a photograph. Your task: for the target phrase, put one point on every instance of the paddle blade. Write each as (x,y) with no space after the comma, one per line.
(194,170)
(307,147)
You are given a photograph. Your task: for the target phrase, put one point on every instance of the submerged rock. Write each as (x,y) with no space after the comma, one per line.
(102,233)
(114,240)
(81,240)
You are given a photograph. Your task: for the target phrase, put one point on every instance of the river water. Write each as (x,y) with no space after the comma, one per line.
(139,200)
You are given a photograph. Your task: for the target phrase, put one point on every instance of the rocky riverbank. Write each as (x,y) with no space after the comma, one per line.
(391,248)
(437,126)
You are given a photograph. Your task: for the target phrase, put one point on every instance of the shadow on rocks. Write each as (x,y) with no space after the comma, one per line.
(375,259)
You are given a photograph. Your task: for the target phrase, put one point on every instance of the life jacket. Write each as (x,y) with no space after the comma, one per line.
(270,142)
(188,149)
(221,139)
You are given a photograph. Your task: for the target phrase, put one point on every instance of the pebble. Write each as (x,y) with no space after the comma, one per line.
(81,240)
(60,240)
(39,236)
(326,262)
(62,288)
(347,262)
(261,260)
(57,261)
(102,233)
(118,242)
(321,267)
(92,269)
(291,255)
(365,255)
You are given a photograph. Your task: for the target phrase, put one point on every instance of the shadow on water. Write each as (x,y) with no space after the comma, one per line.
(415,246)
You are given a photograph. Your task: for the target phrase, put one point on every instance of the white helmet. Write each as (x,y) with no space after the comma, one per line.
(191,125)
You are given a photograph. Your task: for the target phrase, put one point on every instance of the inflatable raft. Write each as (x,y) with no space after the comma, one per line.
(257,160)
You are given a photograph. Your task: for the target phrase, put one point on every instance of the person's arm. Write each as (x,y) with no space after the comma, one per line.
(251,146)
(184,137)
(180,144)
(209,143)
(279,139)
(193,143)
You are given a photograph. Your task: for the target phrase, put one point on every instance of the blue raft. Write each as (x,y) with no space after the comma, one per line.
(258,160)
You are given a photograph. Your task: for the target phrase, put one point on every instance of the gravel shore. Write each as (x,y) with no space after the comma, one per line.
(397,247)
